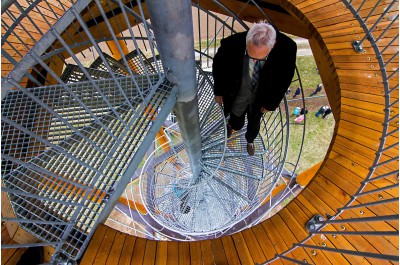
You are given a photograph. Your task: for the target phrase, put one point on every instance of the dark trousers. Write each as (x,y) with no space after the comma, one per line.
(253,122)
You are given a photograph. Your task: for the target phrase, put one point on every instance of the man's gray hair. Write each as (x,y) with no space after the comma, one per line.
(261,34)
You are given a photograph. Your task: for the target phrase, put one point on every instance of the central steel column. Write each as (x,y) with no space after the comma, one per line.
(173,29)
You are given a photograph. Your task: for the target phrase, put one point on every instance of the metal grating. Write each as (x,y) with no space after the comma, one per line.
(73,73)
(70,183)
(138,62)
(232,184)
(116,66)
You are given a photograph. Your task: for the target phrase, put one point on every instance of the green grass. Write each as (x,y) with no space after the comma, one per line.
(318,134)
(307,70)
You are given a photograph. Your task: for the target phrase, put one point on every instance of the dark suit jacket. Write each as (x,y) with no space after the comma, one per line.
(275,76)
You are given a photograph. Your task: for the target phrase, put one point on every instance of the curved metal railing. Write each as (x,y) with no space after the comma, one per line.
(366,197)
(75,127)
(275,137)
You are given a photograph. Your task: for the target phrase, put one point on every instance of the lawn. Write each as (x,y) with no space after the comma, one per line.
(319,131)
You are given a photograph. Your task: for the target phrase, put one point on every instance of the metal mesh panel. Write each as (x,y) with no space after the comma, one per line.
(74,73)
(232,183)
(115,65)
(85,167)
(138,62)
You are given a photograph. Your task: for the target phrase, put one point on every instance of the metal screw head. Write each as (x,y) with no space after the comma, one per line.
(380,196)
(334,236)
(314,253)
(343,227)
(320,218)
(361,212)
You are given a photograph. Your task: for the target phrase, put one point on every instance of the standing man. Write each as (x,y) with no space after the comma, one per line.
(252,72)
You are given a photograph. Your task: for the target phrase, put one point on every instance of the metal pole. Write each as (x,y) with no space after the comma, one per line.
(173,31)
(5,4)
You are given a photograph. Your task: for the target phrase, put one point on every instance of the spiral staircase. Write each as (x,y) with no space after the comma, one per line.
(88,131)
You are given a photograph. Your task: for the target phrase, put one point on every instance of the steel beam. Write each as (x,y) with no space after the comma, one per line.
(173,30)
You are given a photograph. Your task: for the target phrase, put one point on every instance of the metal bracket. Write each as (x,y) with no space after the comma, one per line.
(60,259)
(357,46)
(312,224)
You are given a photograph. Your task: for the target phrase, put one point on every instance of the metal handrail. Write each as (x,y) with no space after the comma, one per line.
(369,177)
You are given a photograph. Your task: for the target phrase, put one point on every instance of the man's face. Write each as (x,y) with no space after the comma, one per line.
(257,53)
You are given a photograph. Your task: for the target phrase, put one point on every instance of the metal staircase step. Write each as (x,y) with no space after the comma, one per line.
(75,181)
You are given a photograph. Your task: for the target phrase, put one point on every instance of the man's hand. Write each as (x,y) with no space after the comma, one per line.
(218,100)
(263,110)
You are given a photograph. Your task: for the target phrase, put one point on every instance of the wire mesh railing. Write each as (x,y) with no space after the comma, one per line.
(80,100)
(267,166)
(72,126)
(374,205)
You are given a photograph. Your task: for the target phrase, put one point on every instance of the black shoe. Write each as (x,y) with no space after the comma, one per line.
(33,256)
(228,131)
(250,149)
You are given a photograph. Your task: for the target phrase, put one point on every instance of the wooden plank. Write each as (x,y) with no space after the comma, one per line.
(173,253)
(366,151)
(368,143)
(206,252)
(138,251)
(127,250)
(230,250)
(242,249)
(279,244)
(161,257)
(360,242)
(105,247)
(150,252)
(301,4)
(184,253)
(360,57)
(366,114)
(5,237)
(365,162)
(6,254)
(346,16)
(195,253)
(321,9)
(94,245)
(331,182)
(354,168)
(218,251)
(266,245)
(15,257)
(350,181)
(286,232)
(305,177)
(253,246)
(52,7)
(306,207)
(355,116)
(378,108)
(296,219)
(366,66)
(338,11)
(361,77)
(116,249)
